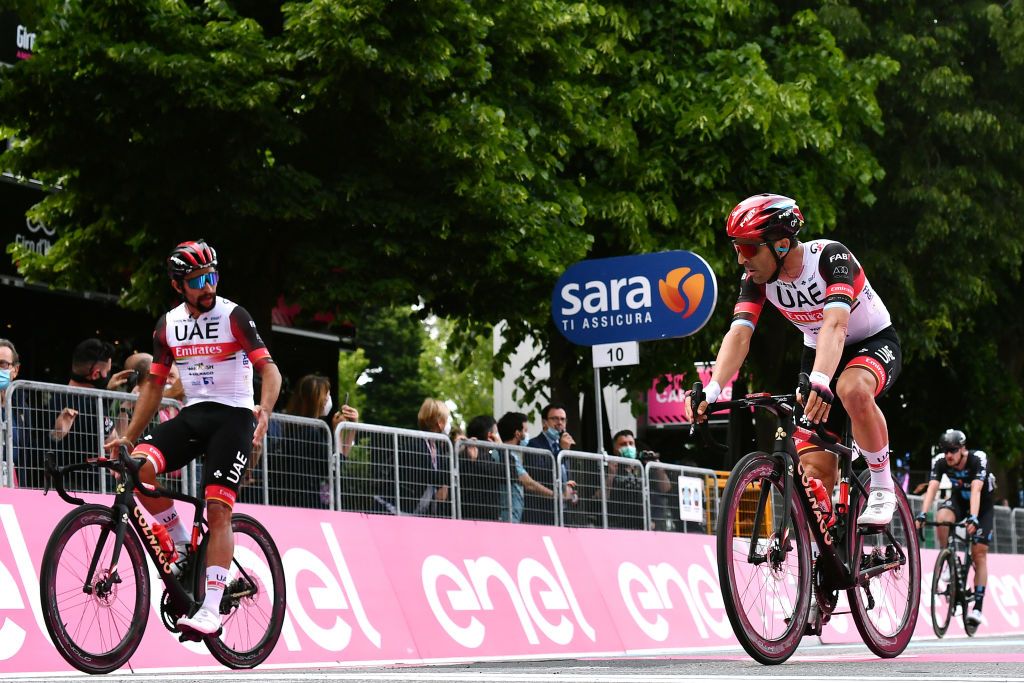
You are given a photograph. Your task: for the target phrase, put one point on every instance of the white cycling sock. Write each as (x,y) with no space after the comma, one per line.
(878,465)
(170,519)
(216,577)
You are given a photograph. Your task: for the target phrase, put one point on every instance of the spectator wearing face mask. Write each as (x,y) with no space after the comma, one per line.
(75,434)
(513,431)
(299,453)
(538,508)
(9,366)
(624,485)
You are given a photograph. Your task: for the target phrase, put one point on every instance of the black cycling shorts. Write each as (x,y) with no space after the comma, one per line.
(879,354)
(986,518)
(223,433)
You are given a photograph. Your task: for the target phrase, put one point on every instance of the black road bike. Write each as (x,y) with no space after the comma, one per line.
(949,582)
(95,583)
(768,518)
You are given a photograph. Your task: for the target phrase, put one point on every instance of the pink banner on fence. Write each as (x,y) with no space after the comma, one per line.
(388,589)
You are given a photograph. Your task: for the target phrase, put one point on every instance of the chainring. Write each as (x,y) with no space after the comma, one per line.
(168,616)
(825,592)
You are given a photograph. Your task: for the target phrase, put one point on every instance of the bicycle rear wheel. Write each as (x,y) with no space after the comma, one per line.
(765,573)
(885,606)
(95,621)
(944,593)
(254,600)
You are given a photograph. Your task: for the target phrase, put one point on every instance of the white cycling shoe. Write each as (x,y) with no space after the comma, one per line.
(880,508)
(974,616)
(203,621)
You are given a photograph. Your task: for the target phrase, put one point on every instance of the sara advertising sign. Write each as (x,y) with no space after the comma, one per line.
(634,298)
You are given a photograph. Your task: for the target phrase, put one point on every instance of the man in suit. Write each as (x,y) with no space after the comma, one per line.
(553,438)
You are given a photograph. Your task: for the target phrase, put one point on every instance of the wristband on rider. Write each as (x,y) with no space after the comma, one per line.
(712,391)
(820,378)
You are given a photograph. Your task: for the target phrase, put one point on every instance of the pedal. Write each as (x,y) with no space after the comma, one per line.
(190,636)
(872,528)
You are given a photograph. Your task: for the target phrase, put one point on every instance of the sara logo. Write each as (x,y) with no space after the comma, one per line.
(605,301)
(682,290)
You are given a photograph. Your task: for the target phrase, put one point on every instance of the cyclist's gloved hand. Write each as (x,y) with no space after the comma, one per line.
(920,519)
(972,520)
(819,401)
(819,384)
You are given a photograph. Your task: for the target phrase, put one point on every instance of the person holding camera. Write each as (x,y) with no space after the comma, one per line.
(553,438)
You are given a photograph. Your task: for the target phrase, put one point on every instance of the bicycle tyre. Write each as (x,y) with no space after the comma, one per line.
(966,602)
(905,579)
(738,575)
(61,583)
(270,605)
(944,593)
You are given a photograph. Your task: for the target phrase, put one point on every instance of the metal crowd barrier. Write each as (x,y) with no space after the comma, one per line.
(502,482)
(297,467)
(626,493)
(387,470)
(30,433)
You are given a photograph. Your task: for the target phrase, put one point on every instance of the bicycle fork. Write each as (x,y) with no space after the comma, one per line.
(104,585)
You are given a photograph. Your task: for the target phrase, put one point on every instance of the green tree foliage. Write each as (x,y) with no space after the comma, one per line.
(460,372)
(393,341)
(354,155)
(944,240)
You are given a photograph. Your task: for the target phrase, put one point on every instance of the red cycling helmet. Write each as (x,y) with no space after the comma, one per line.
(188,257)
(764,217)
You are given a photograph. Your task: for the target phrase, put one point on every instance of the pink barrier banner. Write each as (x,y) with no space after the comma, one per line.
(398,589)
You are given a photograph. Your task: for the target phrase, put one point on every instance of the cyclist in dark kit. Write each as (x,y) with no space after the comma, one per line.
(970,500)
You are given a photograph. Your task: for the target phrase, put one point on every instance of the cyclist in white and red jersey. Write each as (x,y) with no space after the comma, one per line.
(216,347)
(851,350)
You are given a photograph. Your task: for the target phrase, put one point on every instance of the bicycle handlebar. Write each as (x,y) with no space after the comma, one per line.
(778,404)
(122,465)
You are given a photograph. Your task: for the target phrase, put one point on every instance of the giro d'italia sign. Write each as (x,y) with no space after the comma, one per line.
(634,298)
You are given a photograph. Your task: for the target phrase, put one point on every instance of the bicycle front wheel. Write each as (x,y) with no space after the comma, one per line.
(765,570)
(253,605)
(95,613)
(944,593)
(885,604)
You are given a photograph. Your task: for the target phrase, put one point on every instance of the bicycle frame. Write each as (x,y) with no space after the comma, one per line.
(837,545)
(961,548)
(125,510)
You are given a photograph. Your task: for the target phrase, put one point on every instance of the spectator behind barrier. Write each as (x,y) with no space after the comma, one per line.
(512,431)
(422,470)
(554,438)
(299,456)
(74,436)
(481,476)
(10,363)
(624,485)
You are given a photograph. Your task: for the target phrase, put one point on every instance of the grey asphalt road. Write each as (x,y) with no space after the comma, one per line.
(979,659)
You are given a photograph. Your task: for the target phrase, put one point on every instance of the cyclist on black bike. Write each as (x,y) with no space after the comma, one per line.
(215,345)
(821,288)
(970,500)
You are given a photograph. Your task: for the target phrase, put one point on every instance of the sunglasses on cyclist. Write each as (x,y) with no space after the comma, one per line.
(953,450)
(200,281)
(747,249)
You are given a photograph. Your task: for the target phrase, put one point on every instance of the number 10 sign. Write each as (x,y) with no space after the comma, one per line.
(612,355)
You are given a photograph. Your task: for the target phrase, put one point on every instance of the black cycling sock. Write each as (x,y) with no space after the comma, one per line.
(979,596)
